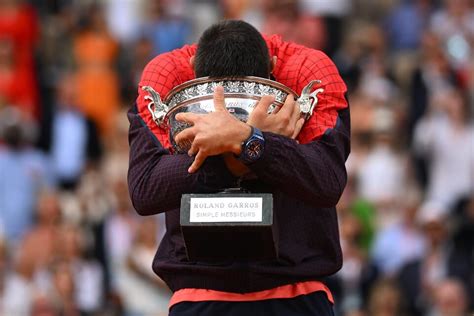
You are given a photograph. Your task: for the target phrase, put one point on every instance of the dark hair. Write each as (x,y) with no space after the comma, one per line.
(230,49)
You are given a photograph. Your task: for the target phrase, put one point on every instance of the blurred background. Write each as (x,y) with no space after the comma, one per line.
(70,241)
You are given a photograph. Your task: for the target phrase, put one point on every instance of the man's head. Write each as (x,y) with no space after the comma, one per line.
(232,49)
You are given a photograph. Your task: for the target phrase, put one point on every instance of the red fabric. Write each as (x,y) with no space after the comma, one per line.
(18,88)
(19,26)
(285,291)
(296,66)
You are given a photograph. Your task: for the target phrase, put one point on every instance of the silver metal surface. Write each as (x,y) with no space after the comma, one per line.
(241,96)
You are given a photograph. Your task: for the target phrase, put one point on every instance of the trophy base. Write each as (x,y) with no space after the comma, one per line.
(228,226)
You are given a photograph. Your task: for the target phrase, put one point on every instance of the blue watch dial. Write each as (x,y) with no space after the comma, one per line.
(252,148)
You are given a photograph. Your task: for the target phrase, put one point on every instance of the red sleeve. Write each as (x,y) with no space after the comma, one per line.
(163,73)
(296,67)
(317,65)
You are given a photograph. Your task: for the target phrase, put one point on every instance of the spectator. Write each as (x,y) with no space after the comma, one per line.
(43,306)
(75,139)
(18,36)
(43,239)
(463,249)
(95,52)
(442,136)
(246,10)
(120,228)
(143,292)
(23,96)
(398,244)
(450,299)
(329,16)
(280,18)
(19,24)
(433,74)
(167,28)
(21,286)
(143,53)
(64,289)
(454,24)
(420,278)
(351,274)
(86,274)
(24,171)
(385,299)
(382,175)
(125,19)
(115,160)
(407,36)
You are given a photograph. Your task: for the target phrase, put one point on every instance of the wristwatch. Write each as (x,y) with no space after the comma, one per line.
(252,147)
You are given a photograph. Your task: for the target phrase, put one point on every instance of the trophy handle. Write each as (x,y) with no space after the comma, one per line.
(308,100)
(156,107)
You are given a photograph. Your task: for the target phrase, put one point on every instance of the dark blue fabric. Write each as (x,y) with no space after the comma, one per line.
(306,182)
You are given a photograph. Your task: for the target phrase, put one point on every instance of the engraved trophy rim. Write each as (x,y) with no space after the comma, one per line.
(188,92)
(242,87)
(268,82)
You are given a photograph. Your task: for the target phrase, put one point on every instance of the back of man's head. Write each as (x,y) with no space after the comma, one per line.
(232,49)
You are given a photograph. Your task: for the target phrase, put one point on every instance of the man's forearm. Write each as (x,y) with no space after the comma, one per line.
(313,172)
(157,179)
(237,168)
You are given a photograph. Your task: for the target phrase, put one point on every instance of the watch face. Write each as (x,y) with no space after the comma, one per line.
(254,149)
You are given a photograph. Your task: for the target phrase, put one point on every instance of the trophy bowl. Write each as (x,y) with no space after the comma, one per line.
(241,95)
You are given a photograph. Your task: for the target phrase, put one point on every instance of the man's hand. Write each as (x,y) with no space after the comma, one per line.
(214,133)
(286,121)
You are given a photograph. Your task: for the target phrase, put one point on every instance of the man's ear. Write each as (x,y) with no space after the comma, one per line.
(191,61)
(273,62)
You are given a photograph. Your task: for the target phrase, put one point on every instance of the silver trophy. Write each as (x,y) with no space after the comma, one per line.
(241,96)
(234,224)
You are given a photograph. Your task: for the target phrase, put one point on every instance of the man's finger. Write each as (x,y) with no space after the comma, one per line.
(296,113)
(186,134)
(187,117)
(219,99)
(194,149)
(298,127)
(264,103)
(198,161)
(288,106)
(276,109)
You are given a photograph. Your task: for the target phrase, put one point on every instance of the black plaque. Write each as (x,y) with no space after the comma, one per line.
(220,239)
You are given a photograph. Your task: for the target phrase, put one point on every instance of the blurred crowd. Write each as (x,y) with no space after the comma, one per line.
(70,241)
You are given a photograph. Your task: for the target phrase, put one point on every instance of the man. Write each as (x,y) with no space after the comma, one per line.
(306,176)
(75,142)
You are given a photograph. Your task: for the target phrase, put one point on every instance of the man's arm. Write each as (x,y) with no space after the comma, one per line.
(313,172)
(157,179)
(313,169)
